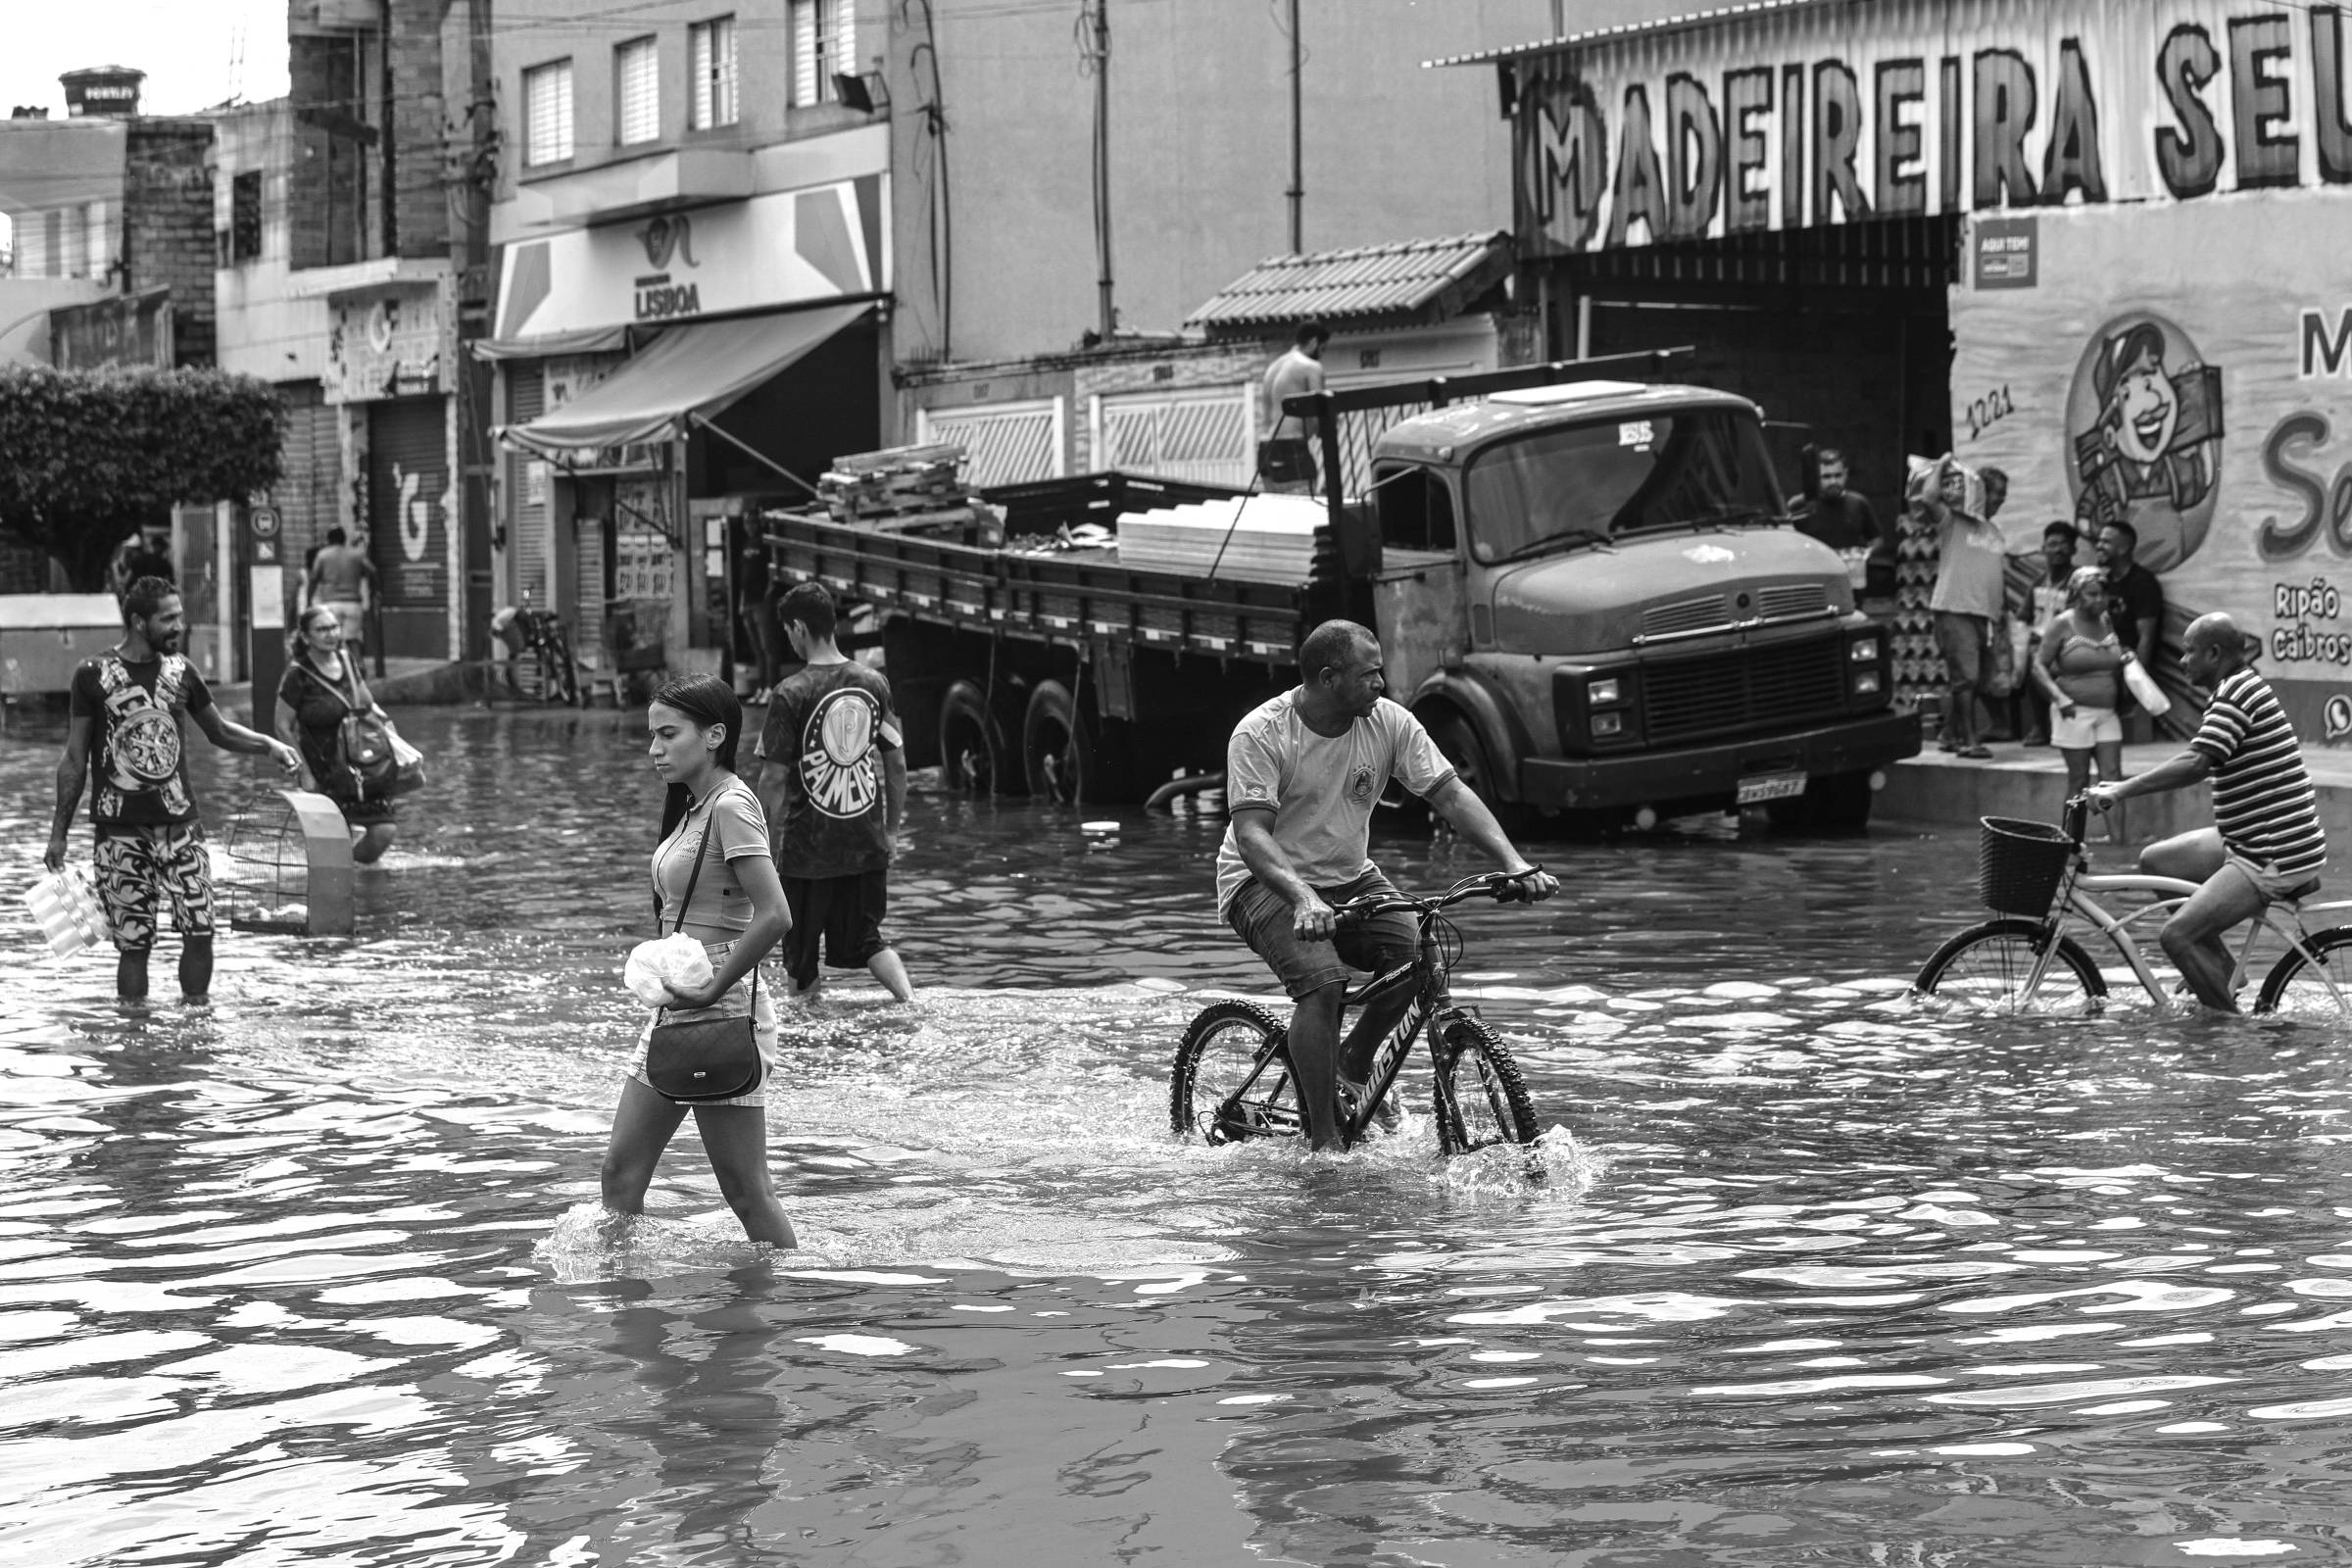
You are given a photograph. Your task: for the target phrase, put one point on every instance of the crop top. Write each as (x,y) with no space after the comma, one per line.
(738,831)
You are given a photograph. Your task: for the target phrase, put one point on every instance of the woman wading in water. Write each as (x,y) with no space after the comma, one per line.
(737,911)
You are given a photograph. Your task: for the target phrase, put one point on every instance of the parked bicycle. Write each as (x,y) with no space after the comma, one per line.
(2030,960)
(1233,1078)
(538,652)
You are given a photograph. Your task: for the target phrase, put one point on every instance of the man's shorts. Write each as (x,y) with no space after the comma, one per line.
(846,911)
(1288,460)
(1962,641)
(2271,884)
(136,864)
(1265,921)
(351,615)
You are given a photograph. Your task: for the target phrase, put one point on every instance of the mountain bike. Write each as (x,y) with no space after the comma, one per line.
(2021,965)
(1233,1078)
(549,675)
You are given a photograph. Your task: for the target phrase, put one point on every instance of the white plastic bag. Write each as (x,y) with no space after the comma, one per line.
(2143,688)
(676,960)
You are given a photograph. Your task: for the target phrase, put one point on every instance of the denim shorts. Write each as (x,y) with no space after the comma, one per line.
(1265,921)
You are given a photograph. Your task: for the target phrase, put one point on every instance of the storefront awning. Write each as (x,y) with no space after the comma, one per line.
(687,372)
(553,345)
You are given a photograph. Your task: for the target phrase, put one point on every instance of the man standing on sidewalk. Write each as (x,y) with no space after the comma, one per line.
(833,779)
(341,579)
(1968,603)
(1286,457)
(126,708)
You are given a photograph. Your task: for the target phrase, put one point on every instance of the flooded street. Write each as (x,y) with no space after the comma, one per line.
(315,1274)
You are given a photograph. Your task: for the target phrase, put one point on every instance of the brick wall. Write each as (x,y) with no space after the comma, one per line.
(168,226)
(419,114)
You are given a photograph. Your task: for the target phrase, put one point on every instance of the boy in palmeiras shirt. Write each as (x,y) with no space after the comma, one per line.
(831,774)
(124,727)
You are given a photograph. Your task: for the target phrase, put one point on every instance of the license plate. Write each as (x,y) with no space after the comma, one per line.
(1771,787)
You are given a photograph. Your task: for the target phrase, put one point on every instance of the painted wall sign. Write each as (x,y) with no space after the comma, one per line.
(2188,377)
(1837,113)
(797,247)
(395,341)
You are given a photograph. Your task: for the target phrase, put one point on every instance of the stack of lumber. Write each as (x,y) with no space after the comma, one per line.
(917,490)
(1262,538)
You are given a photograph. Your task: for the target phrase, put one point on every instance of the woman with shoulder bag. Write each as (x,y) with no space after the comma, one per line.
(2080,668)
(714,879)
(321,688)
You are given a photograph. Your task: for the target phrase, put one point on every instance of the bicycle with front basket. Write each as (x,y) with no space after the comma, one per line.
(2029,961)
(1233,1078)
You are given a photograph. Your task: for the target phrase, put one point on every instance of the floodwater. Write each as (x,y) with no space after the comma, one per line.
(313,1274)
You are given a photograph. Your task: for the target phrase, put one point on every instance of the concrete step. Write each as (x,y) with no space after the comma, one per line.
(1938,789)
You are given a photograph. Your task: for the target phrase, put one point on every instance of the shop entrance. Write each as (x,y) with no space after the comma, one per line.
(408,524)
(1847,331)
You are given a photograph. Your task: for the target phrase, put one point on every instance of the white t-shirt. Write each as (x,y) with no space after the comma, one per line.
(1321,788)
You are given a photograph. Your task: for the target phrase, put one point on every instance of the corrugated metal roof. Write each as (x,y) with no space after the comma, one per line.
(1718,16)
(1410,281)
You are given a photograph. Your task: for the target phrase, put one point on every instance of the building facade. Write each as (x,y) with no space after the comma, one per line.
(2088,245)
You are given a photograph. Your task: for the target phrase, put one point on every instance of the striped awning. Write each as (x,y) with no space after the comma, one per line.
(1410,283)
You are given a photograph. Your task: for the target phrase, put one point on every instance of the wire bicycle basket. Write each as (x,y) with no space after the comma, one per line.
(2020,864)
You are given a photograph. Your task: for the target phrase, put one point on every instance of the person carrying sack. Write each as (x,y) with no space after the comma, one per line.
(714,880)
(325,712)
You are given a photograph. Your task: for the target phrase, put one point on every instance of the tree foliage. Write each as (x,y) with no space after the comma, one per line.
(88,456)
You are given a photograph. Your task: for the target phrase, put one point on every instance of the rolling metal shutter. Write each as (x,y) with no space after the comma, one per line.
(407,523)
(526,504)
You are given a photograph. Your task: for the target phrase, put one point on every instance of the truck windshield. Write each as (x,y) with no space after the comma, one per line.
(1591,484)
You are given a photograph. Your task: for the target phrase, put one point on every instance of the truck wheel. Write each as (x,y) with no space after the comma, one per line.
(1468,753)
(1067,756)
(1836,804)
(971,745)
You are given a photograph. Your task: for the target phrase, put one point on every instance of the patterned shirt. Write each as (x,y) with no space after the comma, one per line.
(827,728)
(2262,798)
(138,753)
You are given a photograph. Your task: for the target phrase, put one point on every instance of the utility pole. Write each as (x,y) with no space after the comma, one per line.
(1102,62)
(476,168)
(1298,190)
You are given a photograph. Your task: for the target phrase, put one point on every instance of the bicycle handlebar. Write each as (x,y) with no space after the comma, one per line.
(1500,884)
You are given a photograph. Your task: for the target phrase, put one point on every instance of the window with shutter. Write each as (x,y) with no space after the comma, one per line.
(547,113)
(637,91)
(711,51)
(822,44)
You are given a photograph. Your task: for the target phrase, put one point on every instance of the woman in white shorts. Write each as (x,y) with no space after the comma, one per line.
(735,908)
(2081,668)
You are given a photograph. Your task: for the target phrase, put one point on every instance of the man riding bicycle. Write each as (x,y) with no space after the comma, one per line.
(2265,842)
(1303,773)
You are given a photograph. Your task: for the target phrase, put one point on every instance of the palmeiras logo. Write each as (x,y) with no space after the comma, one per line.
(839,771)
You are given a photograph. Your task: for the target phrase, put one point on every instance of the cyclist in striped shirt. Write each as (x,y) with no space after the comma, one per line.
(2265,842)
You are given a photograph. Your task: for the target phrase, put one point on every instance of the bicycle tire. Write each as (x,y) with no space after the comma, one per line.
(1989,963)
(1219,1091)
(2336,939)
(1491,1106)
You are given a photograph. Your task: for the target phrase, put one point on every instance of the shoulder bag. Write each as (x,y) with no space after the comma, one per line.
(369,747)
(701,1060)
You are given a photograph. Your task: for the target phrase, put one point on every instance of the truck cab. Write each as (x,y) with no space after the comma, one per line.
(1590,593)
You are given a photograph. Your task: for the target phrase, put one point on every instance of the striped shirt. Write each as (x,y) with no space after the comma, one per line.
(2262,799)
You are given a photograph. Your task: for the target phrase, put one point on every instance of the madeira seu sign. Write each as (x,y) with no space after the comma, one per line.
(1806,115)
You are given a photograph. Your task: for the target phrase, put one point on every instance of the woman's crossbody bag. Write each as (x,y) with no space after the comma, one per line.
(701,1060)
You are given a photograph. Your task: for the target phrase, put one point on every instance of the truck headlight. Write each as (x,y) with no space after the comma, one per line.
(1866,682)
(1600,693)
(1863,651)
(1608,723)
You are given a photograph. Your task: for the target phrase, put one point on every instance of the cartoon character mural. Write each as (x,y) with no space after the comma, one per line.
(2145,418)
